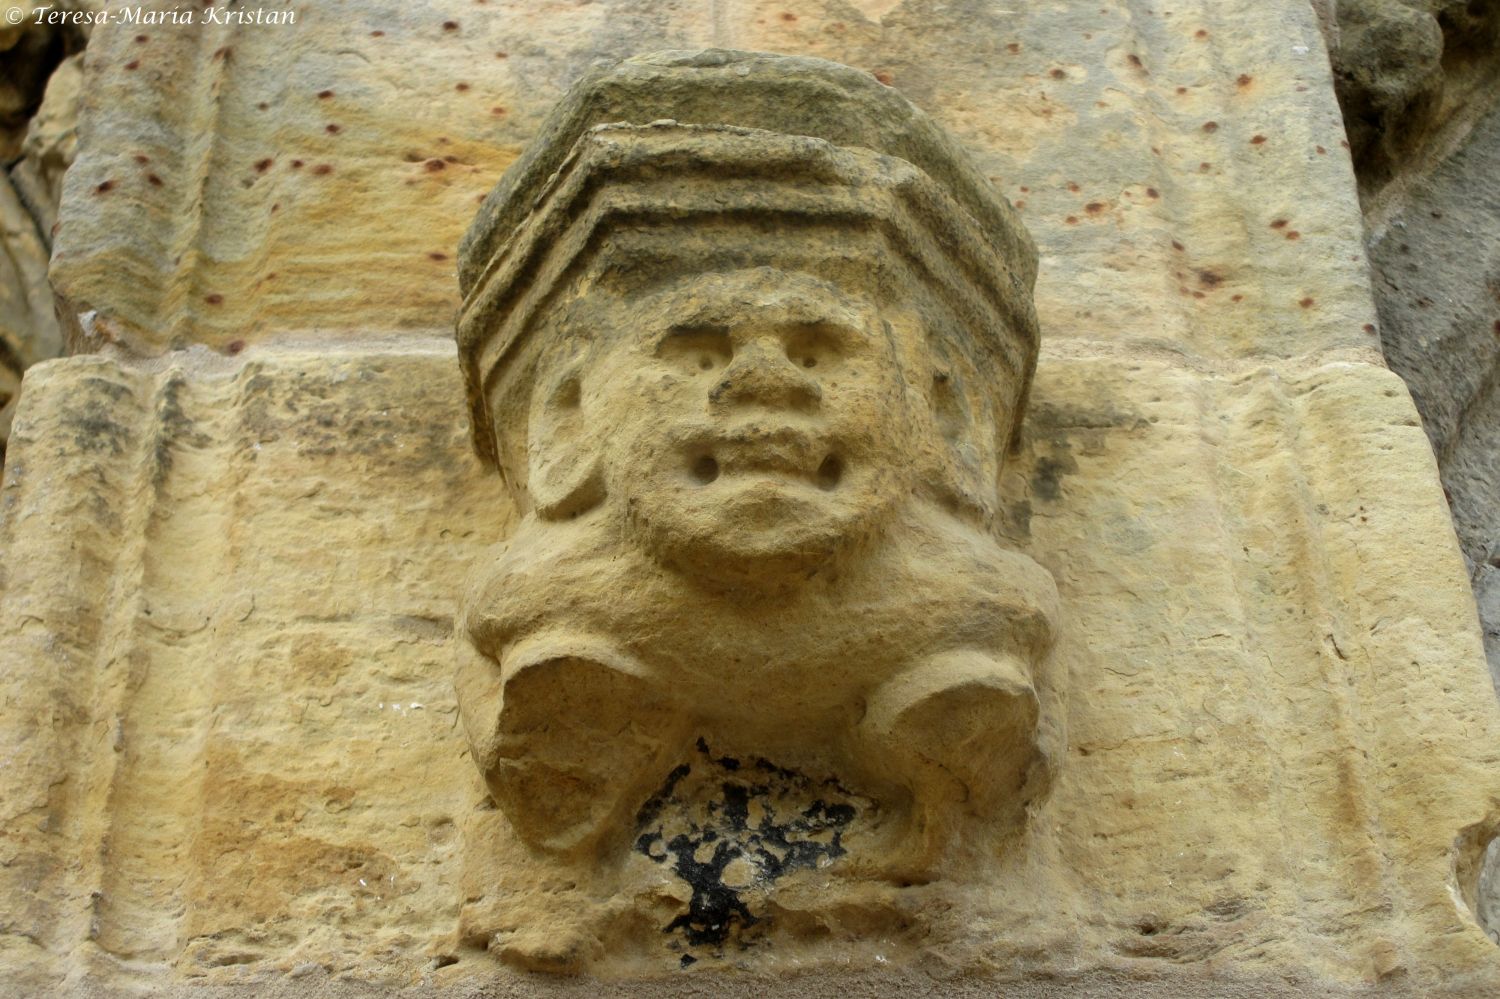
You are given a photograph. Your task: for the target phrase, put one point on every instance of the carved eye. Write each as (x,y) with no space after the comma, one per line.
(696,349)
(814,347)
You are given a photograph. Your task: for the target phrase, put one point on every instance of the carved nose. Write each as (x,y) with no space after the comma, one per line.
(762,375)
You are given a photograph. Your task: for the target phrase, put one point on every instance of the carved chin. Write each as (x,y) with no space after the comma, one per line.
(753,529)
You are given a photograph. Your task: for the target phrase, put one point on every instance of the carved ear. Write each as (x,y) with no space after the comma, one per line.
(564,469)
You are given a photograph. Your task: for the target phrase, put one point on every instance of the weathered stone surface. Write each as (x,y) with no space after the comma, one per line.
(1281,746)
(1405,70)
(1133,133)
(28,329)
(30,194)
(1437,256)
(273,713)
(51,141)
(32,48)
(1252,730)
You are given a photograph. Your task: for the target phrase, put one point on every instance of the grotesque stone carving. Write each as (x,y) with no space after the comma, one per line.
(752,379)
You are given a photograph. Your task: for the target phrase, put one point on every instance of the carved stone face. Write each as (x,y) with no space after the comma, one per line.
(753,422)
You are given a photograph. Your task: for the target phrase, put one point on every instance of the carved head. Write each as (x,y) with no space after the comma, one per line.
(754,343)
(751,417)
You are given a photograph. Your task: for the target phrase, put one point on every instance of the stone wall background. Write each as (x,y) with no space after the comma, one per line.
(1419,85)
(1418,82)
(234,753)
(41,76)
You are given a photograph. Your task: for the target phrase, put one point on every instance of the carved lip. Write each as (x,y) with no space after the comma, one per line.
(759,450)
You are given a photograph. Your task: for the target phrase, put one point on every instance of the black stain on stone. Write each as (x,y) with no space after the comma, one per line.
(703,825)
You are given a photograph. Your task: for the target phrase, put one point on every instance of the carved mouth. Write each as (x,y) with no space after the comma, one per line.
(784,453)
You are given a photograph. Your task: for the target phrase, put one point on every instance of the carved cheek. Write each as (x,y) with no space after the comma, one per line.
(872,407)
(635,416)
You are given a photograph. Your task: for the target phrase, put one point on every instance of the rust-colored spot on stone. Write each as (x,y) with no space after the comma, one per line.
(502,55)
(296,164)
(142,159)
(223,52)
(1071,220)
(1344,143)
(1181,90)
(1256,140)
(1210,127)
(1152,192)
(497,110)
(377,34)
(133,64)
(460,87)
(1178,246)
(1205,167)
(1370,327)
(1236,298)
(1013,48)
(234,347)
(435,255)
(1321,150)
(153,180)
(434,165)
(1244,80)
(323,169)
(1059,74)
(1278,223)
(262,106)
(261,166)
(1209,278)
(450,25)
(1199,294)
(332,129)
(1306,303)
(788,16)
(883,76)
(142,39)
(1094,207)
(214,298)
(1293,234)
(323,95)
(105,187)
